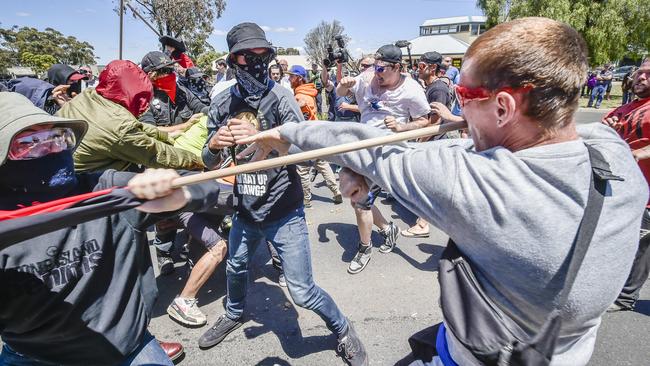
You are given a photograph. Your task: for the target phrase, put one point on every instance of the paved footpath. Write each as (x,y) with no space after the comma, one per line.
(395,296)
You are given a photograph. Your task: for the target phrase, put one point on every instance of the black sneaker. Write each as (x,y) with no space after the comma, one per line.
(221,328)
(351,348)
(165,262)
(390,235)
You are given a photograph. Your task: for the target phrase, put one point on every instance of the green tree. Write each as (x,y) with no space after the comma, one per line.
(612,28)
(288,51)
(191,20)
(318,38)
(205,60)
(39,63)
(25,46)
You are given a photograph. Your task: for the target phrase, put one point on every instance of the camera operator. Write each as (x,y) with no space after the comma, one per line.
(387,99)
(342,108)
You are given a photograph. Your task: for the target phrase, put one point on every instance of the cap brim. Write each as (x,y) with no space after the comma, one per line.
(251,43)
(76,76)
(79,127)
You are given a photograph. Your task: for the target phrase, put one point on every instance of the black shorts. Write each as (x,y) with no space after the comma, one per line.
(367,203)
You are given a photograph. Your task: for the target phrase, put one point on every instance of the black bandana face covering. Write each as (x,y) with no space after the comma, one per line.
(253,77)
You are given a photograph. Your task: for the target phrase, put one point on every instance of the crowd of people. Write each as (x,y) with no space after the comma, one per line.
(548,221)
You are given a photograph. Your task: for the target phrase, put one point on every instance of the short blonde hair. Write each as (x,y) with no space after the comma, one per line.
(547,54)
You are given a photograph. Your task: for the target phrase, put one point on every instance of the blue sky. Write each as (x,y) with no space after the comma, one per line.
(370,24)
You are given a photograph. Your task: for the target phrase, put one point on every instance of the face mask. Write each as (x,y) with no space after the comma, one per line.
(23,182)
(167,84)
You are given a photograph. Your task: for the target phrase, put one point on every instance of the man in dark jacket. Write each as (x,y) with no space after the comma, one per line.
(270,206)
(41,93)
(59,74)
(81,295)
(172,103)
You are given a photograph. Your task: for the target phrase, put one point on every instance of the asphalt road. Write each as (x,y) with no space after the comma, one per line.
(395,296)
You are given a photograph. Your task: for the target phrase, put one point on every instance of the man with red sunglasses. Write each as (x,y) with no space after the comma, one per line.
(513,197)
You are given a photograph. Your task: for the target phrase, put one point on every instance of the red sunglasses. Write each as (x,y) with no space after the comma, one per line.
(465,94)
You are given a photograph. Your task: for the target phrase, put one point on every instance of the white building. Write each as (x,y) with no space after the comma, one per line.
(447,36)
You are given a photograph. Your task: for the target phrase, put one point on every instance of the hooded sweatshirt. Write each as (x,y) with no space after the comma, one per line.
(58,74)
(37,91)
(305,96)
(115,138)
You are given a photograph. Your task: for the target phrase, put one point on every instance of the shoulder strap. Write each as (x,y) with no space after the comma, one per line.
(544,341)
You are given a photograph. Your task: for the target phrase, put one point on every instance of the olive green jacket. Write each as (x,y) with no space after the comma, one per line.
(117,140)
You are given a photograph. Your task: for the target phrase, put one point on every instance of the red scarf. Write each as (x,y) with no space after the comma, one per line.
(168,85)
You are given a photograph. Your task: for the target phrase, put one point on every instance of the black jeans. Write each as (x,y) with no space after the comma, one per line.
(640,267)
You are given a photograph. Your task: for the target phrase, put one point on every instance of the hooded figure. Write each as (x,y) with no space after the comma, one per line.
(59,74)
(116,139)
(37,91)
(85,291)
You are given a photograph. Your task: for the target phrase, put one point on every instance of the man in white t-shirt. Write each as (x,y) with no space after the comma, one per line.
(391,100)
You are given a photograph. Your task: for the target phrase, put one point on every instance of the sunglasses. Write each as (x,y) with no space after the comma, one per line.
(36,144)
(465,94)
(253,58)
(380,69)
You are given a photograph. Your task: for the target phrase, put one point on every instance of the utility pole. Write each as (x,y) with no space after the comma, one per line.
(121,25)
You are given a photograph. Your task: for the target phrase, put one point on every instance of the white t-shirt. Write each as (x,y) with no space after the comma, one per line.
(404,102)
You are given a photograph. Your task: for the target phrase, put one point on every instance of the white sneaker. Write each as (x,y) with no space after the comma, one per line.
(186,311)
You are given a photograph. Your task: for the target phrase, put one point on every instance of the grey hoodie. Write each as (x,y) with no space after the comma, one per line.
(514,215)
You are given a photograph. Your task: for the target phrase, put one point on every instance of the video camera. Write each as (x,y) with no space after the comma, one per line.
(340,54)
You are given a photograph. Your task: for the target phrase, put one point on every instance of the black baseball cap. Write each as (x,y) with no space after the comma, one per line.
(389,53)
(155,60)
(431,58)
(246,36)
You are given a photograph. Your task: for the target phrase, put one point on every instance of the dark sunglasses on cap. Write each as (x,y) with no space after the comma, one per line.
(253,58)
(383,68)
(165,70)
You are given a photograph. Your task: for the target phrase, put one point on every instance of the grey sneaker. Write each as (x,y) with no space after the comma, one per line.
(218,332)
(351,348)
(390,235)
(338,199)
(616,307)
(360,261)
(186,311)
(165,262)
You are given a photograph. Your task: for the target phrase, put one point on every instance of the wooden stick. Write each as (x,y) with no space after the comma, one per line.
(318,153)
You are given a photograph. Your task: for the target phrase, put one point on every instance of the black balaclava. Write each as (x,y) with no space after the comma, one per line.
(48,178)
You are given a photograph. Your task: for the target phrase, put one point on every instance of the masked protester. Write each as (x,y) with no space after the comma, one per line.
(116,139)
(59,74)
(172,103)
(270,205)
(81,295)
(176,49)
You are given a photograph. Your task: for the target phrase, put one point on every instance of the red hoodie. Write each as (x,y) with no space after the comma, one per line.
(305,95)
(124,83)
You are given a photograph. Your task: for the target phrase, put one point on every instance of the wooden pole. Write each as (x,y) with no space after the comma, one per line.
(317,154)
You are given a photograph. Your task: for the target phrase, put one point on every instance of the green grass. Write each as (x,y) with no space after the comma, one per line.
(616,97)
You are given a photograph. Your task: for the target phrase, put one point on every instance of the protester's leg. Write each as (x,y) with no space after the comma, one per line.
(592,96)
(319,102)
(640,268)
(330,180)
(149,353)
(600,90)
(378,219)
(303,171)
(291,239)
(244,238)
(203,269)
(164,241)
(364,224)
(277,263)
(609,90)
(9,357)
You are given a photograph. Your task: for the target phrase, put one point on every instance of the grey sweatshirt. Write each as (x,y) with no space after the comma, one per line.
(514,215)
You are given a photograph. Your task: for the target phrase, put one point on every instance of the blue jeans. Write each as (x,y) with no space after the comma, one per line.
(148,353)
(290,238)
(597,93)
